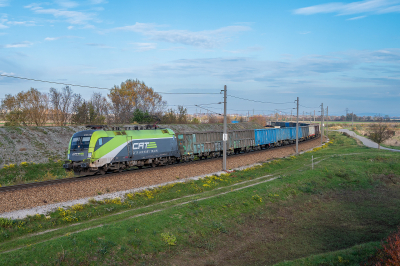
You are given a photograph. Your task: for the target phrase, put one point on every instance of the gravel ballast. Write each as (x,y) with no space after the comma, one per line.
(127,181)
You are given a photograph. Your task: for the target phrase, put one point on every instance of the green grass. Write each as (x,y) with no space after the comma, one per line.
(27,172)
(350,198)
(391,147)
(349,256)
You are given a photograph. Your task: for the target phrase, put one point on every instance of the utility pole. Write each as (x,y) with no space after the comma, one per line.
(322,122)
(314,116)
(297,128)
(225,134)
(291,115)
(352,115)
(303,116)
(327,117)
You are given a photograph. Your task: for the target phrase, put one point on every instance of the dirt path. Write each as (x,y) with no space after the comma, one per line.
(28,198)
(365,141)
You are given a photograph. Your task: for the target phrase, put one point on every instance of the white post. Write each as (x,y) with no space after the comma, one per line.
(297,128)
(225,134)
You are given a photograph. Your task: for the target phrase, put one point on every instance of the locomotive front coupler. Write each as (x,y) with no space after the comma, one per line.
(67,165)
(85,164)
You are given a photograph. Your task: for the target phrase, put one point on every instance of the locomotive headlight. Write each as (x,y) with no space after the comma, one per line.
(89,155)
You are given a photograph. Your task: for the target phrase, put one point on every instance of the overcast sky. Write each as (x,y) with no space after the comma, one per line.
(343,54)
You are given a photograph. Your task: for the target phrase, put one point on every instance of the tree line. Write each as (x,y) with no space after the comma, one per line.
(130,102)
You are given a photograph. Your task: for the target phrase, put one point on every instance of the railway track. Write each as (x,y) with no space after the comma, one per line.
(87,177)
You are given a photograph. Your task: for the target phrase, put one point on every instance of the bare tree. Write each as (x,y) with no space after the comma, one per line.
(169,117)
(36,104)
(61,104)
(101,108)
(379,132)
(25,108)
(79,110)
(13,111)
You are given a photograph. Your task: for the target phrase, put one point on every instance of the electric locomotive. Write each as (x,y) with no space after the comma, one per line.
(99,151)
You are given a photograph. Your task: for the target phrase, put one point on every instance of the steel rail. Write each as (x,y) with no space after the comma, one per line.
(88,177)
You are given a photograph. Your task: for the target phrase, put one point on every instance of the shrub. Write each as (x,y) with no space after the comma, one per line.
(4,222)
(257,198)
(169,238)
(391,250)
(77,207)
(113,201)
(389,254)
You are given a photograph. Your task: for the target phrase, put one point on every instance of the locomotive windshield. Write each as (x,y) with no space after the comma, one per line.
(80,143)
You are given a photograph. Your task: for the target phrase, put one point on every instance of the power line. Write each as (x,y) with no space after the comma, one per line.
(190,105)
(245,110)
(187,92)
(208,110)
(256,100)
(92,87)
(309,107)
(53,82)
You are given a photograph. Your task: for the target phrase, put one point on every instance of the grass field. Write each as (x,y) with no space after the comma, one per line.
(28,172)
(281,212)
(391,147)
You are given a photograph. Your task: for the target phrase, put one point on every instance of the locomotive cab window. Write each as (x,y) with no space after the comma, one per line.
(80,143)
(100,142)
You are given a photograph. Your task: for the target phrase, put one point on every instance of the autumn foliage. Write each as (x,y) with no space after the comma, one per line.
(259,119)
(389,254)
(64,107)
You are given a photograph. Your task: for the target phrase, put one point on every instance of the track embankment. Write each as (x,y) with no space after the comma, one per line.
(39,196)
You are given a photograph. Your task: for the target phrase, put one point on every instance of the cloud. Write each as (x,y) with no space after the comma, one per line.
(3,20)
(304,32)
(61,37)
(18,45)
(356,18)
(67,4)
(99,45)
(22,23)
(97,2)
(356,69)
(247,50)
(367,6)
(72,17)
(3,3)
(205,39)
(143,47)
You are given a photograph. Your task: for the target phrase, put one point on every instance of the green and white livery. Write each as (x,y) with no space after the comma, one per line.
(99,151)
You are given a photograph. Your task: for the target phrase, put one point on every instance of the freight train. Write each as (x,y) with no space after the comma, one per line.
(100,150)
